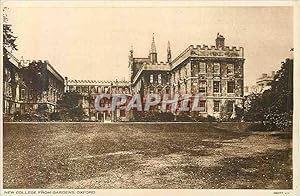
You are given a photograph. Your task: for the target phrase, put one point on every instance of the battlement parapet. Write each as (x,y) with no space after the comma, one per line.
(97,82)
(162,66)
(208,51)
(25,63)
(213,47)
(213,51)
(141,60)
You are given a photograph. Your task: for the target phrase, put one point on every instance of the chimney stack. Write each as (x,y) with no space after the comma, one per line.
(220,41)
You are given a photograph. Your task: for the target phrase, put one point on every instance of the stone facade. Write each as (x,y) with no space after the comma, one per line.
(14,86)
(149,76)
(216,72)
(89,89)
(45,86)
(29,86)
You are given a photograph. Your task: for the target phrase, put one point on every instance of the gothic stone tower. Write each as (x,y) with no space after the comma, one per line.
(169,56)
(153,53)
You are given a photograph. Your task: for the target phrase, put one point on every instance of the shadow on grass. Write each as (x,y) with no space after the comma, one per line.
(272,170)
(38,155)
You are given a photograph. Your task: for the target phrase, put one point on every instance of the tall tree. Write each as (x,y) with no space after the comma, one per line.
(70,107)
(8,35)
(280,96)
(274,106)
(36,77)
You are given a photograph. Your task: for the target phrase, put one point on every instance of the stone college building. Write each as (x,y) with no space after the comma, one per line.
(216,72)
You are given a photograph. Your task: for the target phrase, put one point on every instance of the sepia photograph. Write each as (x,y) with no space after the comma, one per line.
(148,96)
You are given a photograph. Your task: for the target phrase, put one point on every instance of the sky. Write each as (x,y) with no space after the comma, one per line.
(94,42)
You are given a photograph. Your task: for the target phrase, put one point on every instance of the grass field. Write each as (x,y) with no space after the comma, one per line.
(183,155)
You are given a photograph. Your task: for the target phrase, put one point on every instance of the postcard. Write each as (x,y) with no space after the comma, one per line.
(150,97)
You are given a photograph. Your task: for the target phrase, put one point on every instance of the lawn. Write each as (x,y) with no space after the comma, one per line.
(93,155)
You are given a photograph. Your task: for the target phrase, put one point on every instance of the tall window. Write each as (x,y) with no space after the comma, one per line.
(50,97)
(106,90)
(202,68)
(7,75)
(194,86)
(202,106)
(180,72)
(216,85)
(230,69)
(230,106)
(30,93)
(159,78)
(194,69)
(230,87)
(202,87)
(151,78)
(216,106)
(8,90)
(167,91)
(216,68)
(22,94)
(122,113)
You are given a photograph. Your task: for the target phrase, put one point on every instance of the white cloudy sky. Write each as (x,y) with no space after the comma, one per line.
(93,43)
